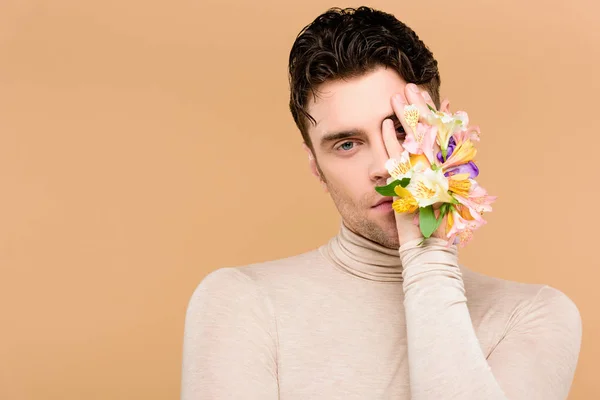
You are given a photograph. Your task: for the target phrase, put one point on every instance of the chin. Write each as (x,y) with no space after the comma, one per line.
(380,230)
(390,241)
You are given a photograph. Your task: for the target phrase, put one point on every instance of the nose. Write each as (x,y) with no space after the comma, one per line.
(377,172)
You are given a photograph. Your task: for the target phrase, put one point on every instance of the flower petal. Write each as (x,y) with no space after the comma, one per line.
(405,204)
(462,154)
(468,168)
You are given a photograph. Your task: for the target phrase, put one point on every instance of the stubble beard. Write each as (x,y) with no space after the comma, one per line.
(356,218)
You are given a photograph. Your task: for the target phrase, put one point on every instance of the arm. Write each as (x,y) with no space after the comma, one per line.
(230,341)
(535,360)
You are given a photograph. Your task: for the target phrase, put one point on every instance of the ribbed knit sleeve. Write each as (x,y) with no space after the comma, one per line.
(536,359)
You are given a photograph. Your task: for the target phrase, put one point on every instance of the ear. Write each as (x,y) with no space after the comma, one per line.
(312,165)
(445,106)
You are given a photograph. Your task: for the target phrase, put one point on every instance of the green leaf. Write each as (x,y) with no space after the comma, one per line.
(388,190)
(431,108)
(439,220)
(427,221)
(443,212)
(445,208)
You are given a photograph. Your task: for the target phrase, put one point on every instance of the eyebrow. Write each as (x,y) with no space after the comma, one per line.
(332,137)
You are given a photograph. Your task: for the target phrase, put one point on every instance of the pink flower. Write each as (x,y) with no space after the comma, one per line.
(478,200)
(461,223)
(471,133)
(421,141)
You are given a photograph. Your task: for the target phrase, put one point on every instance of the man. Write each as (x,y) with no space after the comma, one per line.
(371,314)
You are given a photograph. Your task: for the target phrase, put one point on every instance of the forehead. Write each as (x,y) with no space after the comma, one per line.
(360,102)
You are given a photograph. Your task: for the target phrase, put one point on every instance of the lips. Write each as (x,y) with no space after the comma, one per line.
(383,200)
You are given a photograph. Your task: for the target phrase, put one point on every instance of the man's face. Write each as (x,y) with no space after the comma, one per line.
(352,164)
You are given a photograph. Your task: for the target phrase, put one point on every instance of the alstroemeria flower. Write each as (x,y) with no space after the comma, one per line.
(477,200)
(463,153)
(459,184)
(429,187)
(461,223)
(471,133)
(421,140)
(403,167)
(406,201)
(470,167)
(447,125)
(399,168)
(449,150)
(437,167)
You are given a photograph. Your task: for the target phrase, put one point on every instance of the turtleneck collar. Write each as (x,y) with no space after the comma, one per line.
(362,257)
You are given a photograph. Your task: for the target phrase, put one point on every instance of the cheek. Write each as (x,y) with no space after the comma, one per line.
(350,181)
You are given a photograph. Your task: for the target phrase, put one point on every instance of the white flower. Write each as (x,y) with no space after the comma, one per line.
(399,168)
(429,187)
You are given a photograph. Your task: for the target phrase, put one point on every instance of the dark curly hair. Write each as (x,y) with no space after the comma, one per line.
(349,42)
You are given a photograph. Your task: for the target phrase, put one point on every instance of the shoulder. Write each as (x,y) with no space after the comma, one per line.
(273,275)
(519,301)
(223,290)
(227,303)
(254,282)
(556,309)
(227,285)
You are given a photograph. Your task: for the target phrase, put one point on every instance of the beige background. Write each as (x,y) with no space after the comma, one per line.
(143,145)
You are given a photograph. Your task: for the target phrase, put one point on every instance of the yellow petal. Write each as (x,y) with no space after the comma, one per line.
(460,177)
(462,154)
(458,185)
(449,221)
(415,158)
(402,192)
(405,204)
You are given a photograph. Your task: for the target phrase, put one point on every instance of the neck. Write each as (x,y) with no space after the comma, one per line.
(362,257)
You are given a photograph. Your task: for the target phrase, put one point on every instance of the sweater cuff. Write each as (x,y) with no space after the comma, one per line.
(434,258)
(429,241)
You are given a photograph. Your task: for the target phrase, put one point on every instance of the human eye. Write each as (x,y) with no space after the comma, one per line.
(400,133)
(343,146)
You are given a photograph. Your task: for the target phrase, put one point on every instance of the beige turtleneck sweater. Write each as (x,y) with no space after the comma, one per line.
(355,320)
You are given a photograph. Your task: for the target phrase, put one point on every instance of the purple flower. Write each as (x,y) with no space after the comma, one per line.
(468,168)
(451,146)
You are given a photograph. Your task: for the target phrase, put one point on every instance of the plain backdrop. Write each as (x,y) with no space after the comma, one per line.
(144,144)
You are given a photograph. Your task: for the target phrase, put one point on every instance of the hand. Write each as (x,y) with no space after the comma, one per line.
(408,223)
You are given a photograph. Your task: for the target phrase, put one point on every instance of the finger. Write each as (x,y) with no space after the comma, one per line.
(428,100)
(445,106)
(398,103)
(390,139)
(420,98)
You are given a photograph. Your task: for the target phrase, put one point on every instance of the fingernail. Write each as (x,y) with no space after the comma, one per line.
(413,87)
